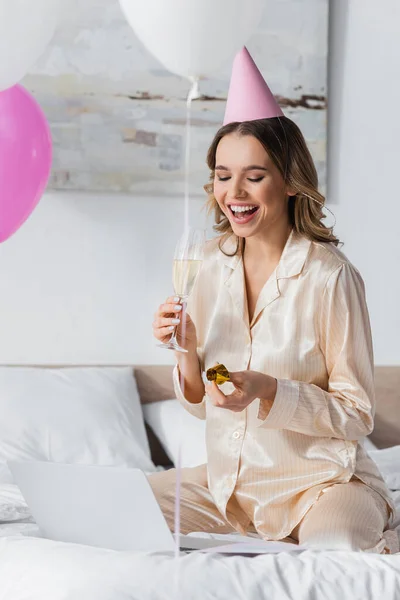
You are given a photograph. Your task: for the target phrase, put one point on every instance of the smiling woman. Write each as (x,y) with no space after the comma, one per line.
(284,310)
(262,172)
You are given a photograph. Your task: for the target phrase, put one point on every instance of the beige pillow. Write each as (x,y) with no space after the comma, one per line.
(154,382)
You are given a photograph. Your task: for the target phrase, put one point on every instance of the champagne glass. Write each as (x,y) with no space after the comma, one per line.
(188,258)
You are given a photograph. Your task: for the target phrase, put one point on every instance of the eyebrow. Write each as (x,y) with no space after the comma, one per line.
(249,168)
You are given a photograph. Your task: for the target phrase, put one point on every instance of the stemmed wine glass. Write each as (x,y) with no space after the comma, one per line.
(188,258)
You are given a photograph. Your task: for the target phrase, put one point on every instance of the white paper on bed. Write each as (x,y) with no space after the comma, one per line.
(234,543)
(254,548)
(83,415)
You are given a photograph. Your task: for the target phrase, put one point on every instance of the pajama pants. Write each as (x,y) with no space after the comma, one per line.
(346,516)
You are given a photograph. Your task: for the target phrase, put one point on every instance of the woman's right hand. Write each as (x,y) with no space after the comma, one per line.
(165,323)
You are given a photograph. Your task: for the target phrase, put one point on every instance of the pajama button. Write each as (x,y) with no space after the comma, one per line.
(236,435)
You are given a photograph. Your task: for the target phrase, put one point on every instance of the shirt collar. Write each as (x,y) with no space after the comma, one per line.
(292,259)
(294,256)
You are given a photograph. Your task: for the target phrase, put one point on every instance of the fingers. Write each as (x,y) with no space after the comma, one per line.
(213,391)
(165,322)
(163,327)
(163,333)
(236,378)
(232,402)
(170,315)
(165,319)
(168,308)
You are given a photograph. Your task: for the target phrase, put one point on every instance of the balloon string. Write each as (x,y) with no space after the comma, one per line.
(193,94)
(178,510)
(178,480)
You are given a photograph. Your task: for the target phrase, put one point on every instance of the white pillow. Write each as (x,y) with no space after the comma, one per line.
(173,426)
(12,504)
(388,463)
(85,415)
(368,445)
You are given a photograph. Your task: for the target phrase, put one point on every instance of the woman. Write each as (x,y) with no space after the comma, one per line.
(285,311)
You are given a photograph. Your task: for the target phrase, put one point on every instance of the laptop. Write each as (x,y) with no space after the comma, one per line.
(107,507)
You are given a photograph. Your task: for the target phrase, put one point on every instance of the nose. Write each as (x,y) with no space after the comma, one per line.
(235,189)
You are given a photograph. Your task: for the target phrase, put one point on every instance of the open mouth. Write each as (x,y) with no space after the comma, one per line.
(243,213)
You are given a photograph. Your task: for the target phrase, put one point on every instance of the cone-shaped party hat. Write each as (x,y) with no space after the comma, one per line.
(249,97)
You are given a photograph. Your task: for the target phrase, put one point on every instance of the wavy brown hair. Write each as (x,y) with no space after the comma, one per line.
(287,148)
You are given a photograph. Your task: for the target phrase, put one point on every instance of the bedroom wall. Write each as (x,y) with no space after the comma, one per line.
(364,156)
(80,281)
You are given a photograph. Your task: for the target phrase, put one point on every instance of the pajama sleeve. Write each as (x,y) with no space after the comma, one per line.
(197,410)
(345,409)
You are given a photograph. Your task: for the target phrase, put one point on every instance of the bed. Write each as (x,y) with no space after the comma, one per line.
(34,568)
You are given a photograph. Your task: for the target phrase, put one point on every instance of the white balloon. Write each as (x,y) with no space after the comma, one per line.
(193,37)
(26,28)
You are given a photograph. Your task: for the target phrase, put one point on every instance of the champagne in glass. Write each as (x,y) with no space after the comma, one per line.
(188,258)
(184,276)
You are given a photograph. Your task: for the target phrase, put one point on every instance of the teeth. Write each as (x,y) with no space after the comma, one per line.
(241,208)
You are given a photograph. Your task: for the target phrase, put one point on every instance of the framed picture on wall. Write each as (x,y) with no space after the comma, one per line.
(118,117)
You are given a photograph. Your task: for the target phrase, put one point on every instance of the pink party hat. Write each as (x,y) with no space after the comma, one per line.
(249,97)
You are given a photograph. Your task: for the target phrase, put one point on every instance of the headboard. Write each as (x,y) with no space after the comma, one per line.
(387,418)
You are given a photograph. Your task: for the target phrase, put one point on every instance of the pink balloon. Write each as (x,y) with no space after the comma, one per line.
(25,158)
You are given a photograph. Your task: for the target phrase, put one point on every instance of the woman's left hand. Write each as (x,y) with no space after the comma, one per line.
(249,386)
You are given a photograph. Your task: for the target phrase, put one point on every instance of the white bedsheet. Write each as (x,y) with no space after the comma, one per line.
(37,569)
